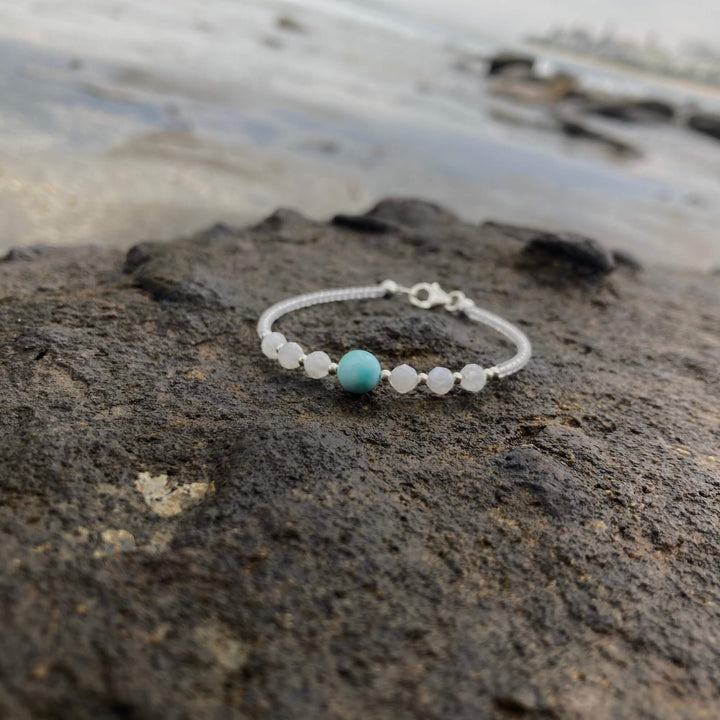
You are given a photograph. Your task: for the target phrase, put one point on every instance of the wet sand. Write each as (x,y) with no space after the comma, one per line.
(120,122)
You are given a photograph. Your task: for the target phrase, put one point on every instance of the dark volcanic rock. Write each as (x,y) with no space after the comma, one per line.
(553,489)
(187,530)
(289,24)
(171,273)
(26,254)
(518,81)
(626,259)
(706,123)
(504,61)
(392,215)
(575,129)
(583,255)
(364,223)
(636,111)
(289,226)
(412,213)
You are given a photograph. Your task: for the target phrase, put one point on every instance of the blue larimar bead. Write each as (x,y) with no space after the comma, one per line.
(358,371)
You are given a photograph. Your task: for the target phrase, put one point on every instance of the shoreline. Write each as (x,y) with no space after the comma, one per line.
(703,90)
(119,150)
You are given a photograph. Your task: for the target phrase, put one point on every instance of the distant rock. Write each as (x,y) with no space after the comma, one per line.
(584,255)
(26,253)
(513,75)
(533,90)
(627,260)
(636,111)
(576,128)
(706,123)
(290,24)
(413,213)
(517,62)
(364,223)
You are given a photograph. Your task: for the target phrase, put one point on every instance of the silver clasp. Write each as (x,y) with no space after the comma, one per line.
(426,295)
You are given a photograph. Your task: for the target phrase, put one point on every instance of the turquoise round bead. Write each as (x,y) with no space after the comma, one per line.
(358,371)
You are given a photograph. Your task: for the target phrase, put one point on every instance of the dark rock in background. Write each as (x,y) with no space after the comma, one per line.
(514,77)
(706,123)
(290,24)
(584,255)
(412,213)
(622,257)
(635,111)
(504,61)
(187,530)
(364,223)
(575,129)
(32,252)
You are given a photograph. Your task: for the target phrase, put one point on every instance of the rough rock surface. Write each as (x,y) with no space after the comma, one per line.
(187,530)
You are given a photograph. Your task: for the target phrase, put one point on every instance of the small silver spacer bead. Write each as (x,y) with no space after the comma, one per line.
(332,368)
(389,286)
(422,378)
(458,377)
(301,360)
(385,375)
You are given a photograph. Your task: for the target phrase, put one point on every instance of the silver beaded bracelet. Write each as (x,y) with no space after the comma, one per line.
(358,371)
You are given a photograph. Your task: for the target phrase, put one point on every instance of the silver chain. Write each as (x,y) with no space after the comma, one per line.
(423,295)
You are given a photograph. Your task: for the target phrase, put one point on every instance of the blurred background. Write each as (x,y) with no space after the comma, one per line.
(126,120)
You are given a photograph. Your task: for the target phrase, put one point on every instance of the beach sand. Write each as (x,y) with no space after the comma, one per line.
(121,122)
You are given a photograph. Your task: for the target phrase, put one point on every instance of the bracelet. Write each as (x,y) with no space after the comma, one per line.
(359,371)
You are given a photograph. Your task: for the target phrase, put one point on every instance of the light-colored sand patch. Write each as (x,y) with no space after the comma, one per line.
(115,542)
(230,652)
(166,498)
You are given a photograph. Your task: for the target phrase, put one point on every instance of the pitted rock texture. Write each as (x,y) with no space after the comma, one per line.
(187,530)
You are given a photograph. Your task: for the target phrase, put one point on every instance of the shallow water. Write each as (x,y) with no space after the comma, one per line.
(120,122)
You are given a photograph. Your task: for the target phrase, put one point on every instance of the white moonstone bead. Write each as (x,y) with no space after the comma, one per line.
(473,378)
(271,343)
(289,355)
(440,380)
(404,379)
(317,364)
